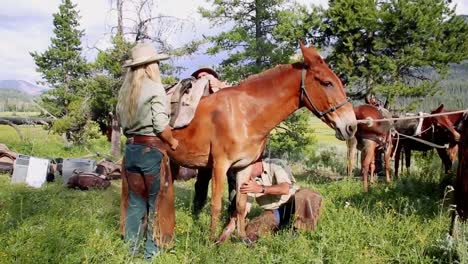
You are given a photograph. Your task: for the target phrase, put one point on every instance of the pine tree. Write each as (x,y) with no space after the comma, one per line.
(62,66)
(64,70)
(264,34)
(396,47)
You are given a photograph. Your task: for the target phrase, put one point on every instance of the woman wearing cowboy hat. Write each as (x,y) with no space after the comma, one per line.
(142,111)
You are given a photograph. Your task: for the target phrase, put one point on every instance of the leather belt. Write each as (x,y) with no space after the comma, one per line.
(150,141)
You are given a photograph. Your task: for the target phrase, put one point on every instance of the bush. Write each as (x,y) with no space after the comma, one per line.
(329,159)
(77,124)
(293,139)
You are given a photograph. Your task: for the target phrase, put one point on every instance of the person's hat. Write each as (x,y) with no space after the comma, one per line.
(205,69)
(144,53)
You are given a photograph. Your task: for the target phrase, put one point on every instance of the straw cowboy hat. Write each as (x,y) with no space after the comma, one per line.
(205,69)
(144,53)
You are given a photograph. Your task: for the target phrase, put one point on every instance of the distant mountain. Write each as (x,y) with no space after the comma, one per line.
(22,86)
(465,17)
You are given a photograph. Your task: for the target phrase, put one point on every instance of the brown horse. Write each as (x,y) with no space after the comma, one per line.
(367,139)
(447,124)
(439,130)
(461,181)
(230,127)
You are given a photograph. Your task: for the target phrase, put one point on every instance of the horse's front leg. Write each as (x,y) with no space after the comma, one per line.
(220,169)
(388,154)
(397,159)
(445,157)
(367,157)
(352,144)
(242,205)
(407,159)
(453,152)
(372,170)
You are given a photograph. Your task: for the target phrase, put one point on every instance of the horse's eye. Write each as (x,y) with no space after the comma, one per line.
(327,84)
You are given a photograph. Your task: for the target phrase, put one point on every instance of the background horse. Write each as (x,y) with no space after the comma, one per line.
(461,181)
(368,139)
(230,127)
(438,130)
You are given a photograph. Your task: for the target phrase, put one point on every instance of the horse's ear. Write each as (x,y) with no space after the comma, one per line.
(311,56)
(439,109)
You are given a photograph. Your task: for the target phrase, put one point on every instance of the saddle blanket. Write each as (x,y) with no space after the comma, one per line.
(183,99)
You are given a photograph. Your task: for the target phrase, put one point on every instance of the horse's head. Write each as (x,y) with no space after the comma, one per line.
(443,123)
(323,94)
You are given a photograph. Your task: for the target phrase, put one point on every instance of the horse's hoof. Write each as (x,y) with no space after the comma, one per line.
(219,241)
(224,236)
(228,230)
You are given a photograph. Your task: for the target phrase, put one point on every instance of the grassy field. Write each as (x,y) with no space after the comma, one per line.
(404,222)
(41,143)
(324,134)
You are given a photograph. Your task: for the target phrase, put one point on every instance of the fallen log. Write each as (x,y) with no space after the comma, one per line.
(24,120)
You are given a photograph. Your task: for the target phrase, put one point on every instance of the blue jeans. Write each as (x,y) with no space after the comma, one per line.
(142,165)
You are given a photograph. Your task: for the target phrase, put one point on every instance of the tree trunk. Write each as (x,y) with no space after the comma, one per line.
(120,17)
(115,138)
(258,32)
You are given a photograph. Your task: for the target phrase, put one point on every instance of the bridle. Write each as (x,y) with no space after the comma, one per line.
(319,113)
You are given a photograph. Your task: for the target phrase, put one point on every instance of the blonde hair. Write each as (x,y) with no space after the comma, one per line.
(127,104)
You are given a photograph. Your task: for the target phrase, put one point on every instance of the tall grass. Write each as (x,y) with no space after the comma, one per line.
(39,142)
(388,225)
(403,222)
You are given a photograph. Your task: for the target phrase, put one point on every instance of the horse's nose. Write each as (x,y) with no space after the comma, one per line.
(351,129)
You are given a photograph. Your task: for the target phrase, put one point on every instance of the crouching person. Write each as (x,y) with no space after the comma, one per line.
(285,204)
(142,112)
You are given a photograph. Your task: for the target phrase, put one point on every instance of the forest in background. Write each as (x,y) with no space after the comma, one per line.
(453,93)
(12,100)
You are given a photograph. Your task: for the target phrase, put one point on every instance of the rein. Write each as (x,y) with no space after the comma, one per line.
(319,113)
(421,140)
(369,121)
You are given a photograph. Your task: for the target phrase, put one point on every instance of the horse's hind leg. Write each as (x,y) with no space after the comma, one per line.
(201,190)
(352,144)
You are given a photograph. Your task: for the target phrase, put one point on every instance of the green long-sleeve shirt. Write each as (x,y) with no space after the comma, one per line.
(151,116)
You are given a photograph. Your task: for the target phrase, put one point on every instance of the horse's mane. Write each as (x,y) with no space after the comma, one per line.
(269,73)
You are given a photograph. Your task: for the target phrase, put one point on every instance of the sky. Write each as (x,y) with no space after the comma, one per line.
(26,26)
